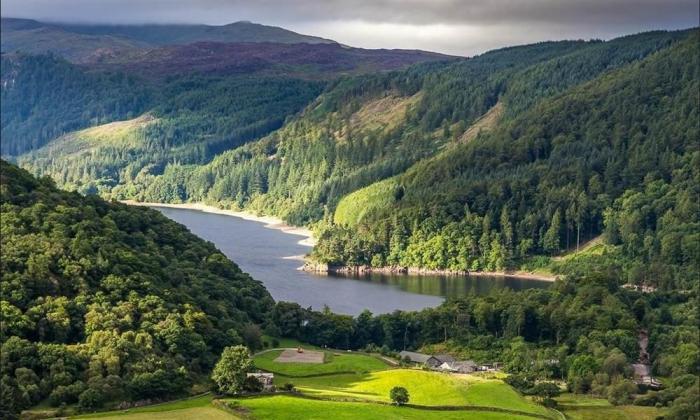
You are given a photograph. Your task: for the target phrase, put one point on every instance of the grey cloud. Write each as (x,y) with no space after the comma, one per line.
(396,11)
(486,23)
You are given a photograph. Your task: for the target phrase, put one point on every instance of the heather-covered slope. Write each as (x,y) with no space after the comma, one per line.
(81,43)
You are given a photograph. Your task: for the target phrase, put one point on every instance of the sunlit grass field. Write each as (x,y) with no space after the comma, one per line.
(584,407)
(194,408)
(425,388)
(287,407)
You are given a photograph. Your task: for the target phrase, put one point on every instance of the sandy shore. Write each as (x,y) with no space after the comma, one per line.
(269,221)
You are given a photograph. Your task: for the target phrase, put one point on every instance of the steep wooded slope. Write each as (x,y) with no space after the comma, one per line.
(618,154)
(116,301)
(369,128)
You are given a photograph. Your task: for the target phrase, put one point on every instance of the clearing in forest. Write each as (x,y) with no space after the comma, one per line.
(294,356)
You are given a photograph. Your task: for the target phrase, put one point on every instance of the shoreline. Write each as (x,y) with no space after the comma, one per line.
(360,270)
(270,222)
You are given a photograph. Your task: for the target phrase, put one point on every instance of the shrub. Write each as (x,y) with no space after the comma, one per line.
(252,384)
(399,395)
(520,382)
(621,392)
(288,386)
(90,399)
(66,394)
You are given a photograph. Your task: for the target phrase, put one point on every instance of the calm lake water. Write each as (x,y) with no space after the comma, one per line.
(271,256)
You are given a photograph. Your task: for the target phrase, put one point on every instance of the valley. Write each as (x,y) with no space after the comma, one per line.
(243,221)
(274,257)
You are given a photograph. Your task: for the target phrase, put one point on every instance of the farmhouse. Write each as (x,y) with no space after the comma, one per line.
(264,378)
(414,357)
(466,366)
(444,358)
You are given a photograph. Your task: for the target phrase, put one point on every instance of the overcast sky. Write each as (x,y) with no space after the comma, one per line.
(462,27)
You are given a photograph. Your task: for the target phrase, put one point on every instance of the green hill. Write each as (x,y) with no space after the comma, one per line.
(102,301)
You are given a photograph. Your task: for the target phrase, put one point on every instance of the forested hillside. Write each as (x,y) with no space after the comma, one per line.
(101,301)
(44,97)
(483,163)
(368,128)
(191,119)
(617,155)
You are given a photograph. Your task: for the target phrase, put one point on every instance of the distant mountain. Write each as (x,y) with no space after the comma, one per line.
(75,42)
(302,60)
(33,37)
(186,34)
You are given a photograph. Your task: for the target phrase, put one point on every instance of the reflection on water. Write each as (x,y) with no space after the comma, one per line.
(448,286)
(273,257)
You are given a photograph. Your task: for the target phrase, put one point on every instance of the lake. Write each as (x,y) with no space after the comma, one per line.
(273,257)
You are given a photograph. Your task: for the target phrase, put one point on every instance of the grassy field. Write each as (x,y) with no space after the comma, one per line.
(364,394)
(353,207)
(425,388)
(287,407)
(209,413)
(583,407)
(334,363)
(173,410)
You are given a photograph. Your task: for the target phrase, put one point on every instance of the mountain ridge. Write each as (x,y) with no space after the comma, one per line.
(75,42)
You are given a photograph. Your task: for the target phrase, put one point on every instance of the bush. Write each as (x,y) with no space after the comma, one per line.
(520,382)
(66,394)
(621,392)
(546,391)
(90,399)
(252,384)
(288,387)
(160,383)
(399,395)
(275,343)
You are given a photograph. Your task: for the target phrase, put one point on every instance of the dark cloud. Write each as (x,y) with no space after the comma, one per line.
(489,23)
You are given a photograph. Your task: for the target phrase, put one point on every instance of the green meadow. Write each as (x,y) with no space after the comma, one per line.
(585,407)
(288,407)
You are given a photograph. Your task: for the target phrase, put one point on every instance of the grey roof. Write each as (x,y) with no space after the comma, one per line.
(444,358)
(415,357)
(261,374)
(461,365)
